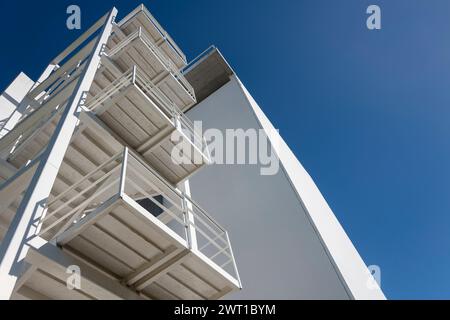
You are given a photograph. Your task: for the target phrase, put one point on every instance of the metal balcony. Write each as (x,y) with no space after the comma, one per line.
(142,116)
(138,49)
(130,223)
(117,213)
(136,113)
(141,17)
(88,180)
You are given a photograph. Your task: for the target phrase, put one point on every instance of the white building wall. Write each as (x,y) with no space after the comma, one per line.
(286,240)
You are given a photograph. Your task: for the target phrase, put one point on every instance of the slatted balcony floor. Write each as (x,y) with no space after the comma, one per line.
(93,143)
(141,17)
(148,256)
(134,114)
(149,251)
(137,49)
(109,226)
(140,114)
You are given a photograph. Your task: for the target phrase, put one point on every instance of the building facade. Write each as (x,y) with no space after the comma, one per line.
(108,189)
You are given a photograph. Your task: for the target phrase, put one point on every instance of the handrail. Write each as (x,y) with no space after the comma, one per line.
(143,180)
(123,80)
(173,69)
(30,133)
(196,210)
(204,213)
(164,34)
(149,88)
(85,178)
(122,44)
(190,126)
(12,146)
(158,27)
(92,103)
(62,82)
(194,61)
(146,84)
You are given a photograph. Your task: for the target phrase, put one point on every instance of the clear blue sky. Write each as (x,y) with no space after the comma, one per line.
(366,112)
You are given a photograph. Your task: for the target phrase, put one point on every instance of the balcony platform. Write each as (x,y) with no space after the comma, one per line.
(137,49)
(131,111)
(140,231)
(90,146)
(114,208)
(46,279)
(133,245)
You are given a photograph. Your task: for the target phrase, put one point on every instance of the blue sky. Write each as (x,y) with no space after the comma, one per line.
(366,112)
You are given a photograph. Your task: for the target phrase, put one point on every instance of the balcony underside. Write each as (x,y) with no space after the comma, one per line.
(46,277)
(131,244)
(188,278)
(138,51)
(147,129)
(147,248)
(142,18)
(134,117)
(91,145)
(117,236)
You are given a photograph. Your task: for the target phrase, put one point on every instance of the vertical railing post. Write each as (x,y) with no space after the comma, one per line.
(123,172)
(133,75)
(21,109)
(177,118)
(233,260)
(14,246)
(205,150)
(190,218)
(186,221)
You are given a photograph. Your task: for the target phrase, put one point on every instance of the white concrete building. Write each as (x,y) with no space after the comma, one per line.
(93,204)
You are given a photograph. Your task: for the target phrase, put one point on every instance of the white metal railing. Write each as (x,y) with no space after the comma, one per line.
(170,67)
(27,125)
(54,88)
(151,90)
(113,88)
(13,148)
(133,76)
(186,125)
(126,173)
(164,35)
(137,77)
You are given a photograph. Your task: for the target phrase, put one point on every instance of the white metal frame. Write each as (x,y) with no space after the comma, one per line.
(114,184)
(101,101)
(170,67)
(155,23)
(14,246)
